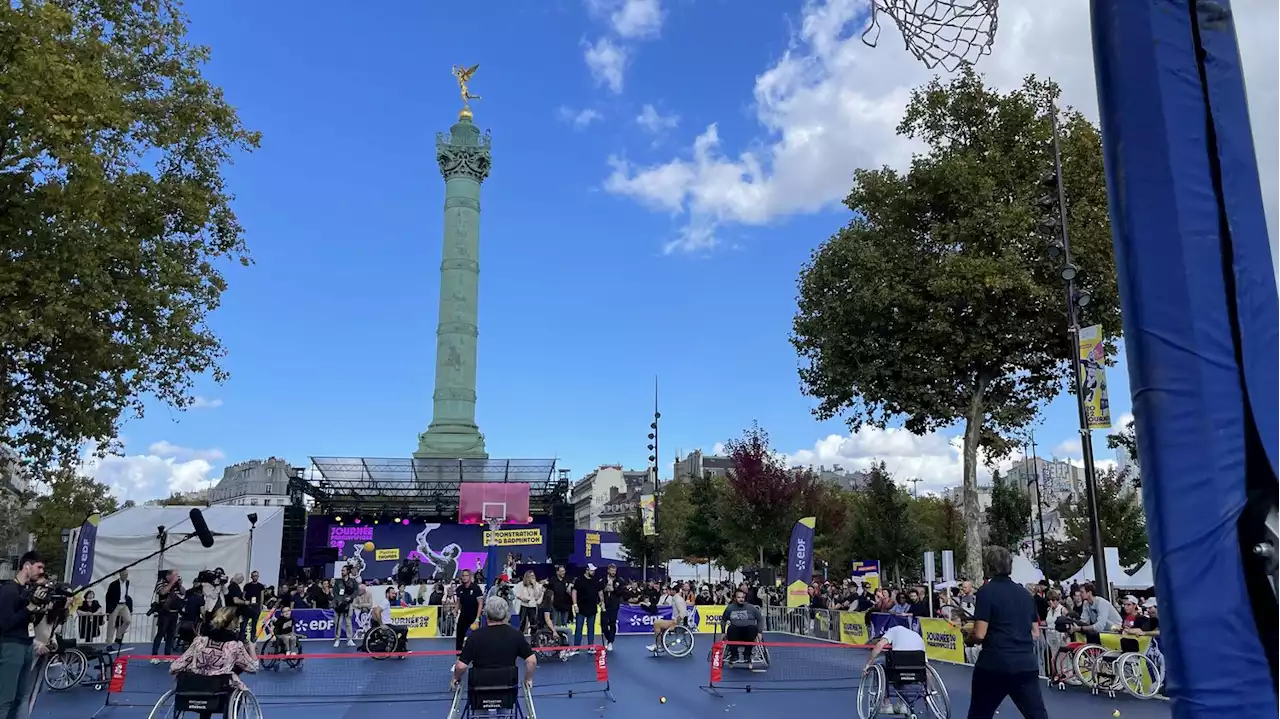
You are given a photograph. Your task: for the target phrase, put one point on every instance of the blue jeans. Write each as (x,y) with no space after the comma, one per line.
(16,661)
(559,618)
(590,621)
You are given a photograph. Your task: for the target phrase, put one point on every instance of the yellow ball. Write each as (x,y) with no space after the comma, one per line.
(1115,713)
(368,546)
(662,700)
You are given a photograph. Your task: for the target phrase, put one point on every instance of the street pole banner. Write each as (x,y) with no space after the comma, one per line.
(1093,377)
(86,543)
(800,562)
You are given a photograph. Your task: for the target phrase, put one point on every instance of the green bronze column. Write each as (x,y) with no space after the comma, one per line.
(463,155)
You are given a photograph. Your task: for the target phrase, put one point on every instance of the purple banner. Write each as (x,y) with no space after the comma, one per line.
(86,542)
(880,623)
(800,562)
(634,620)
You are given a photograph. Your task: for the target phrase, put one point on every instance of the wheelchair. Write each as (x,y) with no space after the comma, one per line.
(677,642)
(1107,671)
(272,652)
(906,677)
(492,694)
(545,640)
(70,665)
(206,697)
(380,641)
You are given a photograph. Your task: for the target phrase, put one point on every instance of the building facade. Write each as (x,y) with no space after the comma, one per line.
(697,464)
(258,482)
(592,493)
(15,506)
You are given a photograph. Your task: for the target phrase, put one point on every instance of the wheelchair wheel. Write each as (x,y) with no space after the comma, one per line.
(1064,668)
(379,642)
(243,705)
(1139,675)
(267,654)
(296,660)
(1086,661)
(760,654)
(936,695)
(65,670)
(678,642)
(871,692)
(166,708)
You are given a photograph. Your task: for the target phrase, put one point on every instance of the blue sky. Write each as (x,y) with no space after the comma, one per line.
(662,169)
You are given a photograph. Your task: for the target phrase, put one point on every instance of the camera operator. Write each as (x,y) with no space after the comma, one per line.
(168,602)
(215,587)
(252,609)
(19,599)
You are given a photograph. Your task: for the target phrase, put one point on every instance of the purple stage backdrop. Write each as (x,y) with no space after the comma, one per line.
(375,550)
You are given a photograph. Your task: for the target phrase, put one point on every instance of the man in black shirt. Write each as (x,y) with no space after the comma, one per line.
(587,596)
(17,657)
(495,646)
(615,593)
(344,593)
(468,597)
(235,599)
(169,597)
(252,607)
(561,598)
(1006,625)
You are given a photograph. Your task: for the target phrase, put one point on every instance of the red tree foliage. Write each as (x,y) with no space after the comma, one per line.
(759,478)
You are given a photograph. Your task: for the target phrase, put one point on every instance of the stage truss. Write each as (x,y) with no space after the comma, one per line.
(420,486)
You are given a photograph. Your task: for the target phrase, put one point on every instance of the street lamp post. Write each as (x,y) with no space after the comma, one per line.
(1060,247)
(653,459)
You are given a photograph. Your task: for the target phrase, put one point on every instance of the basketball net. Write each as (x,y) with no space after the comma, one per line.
(946,33)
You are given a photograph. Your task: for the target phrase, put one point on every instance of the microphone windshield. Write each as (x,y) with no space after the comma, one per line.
(201,529)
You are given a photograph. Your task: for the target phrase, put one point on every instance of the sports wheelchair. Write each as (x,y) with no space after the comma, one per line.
(1107,671)
(69,666)
(544,639)
(492,694)
(906,677)
(272,652)
(677,642)
(206,697)
(381,641)
(756,660)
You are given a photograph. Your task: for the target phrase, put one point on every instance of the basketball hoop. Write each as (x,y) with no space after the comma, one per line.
(949,33)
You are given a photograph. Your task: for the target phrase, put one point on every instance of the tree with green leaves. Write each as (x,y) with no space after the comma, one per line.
(1120,515)
(1009,516)
(883,528)
(70,498)
(115,215)
(936,304)
(1127,440)
(941,526)
(675,505)
(703,536)
(639,547)
(764,496)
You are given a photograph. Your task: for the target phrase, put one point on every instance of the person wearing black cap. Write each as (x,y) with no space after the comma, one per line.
(1006,624)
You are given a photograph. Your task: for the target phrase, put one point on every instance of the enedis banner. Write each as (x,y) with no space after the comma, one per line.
(853,628)
(942,641)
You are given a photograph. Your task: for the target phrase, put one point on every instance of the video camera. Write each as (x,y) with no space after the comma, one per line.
(49,598)
(211,576)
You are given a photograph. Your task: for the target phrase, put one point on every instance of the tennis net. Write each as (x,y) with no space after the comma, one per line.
(360,678)
(785,665)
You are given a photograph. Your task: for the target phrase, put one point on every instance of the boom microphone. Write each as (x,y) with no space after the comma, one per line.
(201,529)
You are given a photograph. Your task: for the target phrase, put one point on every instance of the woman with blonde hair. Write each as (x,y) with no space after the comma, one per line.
(221,652)
(528,596)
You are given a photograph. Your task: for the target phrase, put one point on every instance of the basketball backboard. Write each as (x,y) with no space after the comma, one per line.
(484,502)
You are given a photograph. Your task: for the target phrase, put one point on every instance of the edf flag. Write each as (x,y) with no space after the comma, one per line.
(82,565)
(800,562)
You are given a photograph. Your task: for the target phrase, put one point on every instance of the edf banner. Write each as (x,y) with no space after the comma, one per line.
(86,541)
(800,562)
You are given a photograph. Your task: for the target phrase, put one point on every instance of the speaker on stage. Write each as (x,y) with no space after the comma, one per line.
(561,540)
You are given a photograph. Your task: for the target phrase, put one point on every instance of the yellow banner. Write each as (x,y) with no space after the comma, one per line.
(387,555)
(853,627)
(798,595)
(648,503)
(420,621)
(709,616)
(514,538)
(1093,377)
(942,641)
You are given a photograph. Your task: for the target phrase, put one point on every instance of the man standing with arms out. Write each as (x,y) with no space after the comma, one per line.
(344,594)
(252,609)
(561,598)
(587,596)
(119,608)
(17,656)
(468,607)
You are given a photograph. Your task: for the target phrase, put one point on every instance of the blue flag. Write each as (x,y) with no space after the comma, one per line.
(86,541)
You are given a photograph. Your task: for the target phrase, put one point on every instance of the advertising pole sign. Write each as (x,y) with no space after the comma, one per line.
(800,562)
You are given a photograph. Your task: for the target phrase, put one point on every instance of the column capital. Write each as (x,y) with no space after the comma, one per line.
(464,152)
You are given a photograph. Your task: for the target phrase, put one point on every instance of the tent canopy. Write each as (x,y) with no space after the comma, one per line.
(1143,578)
(1025,571)
(126,536)
(1114,570)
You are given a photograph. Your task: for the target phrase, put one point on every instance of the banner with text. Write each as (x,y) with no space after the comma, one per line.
(866,571)
(648,508)
(800,562)
(1093,377)
(443,550)
(853,628)
(422,622)
(942,640)
(86,543)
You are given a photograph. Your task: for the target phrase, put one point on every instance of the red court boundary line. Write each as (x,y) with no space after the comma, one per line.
(363,655)
(824,645)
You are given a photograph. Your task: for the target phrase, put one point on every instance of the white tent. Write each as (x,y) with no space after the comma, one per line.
(1114,571)
(1143,578)
(131,534)
(1024,571)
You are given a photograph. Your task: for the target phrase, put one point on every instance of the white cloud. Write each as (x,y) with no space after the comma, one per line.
(580,119)
(936,458)
(1067,448)
(205,403)
(606,60)
(165,469)
(655,122)
(830,104)
(630,19)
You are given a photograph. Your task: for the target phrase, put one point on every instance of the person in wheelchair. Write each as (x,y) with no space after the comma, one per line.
(495,646)
(221,652)
(401,644)
(742,622)
(282,631)
(679,613)
(906,649)
(546,634)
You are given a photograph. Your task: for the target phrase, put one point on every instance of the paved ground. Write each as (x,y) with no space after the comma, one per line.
(637,681)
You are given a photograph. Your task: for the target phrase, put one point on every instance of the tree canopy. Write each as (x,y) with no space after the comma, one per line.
(115,215)
(936,304)
(882,527)
(764,495)
(70,497)
(1120,515)
(1009,516)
